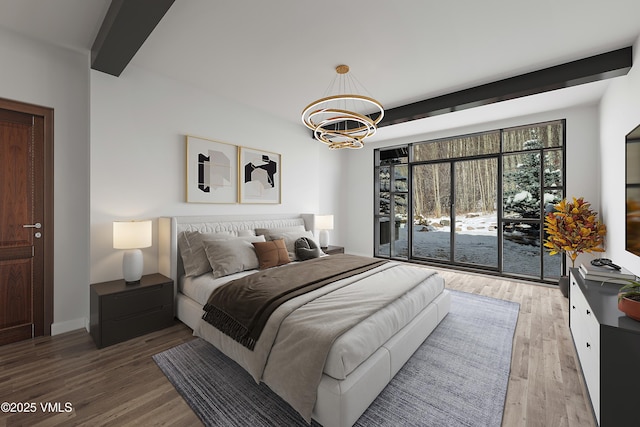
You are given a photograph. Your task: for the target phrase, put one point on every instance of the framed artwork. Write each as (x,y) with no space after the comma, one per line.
(259,176)
(212,171)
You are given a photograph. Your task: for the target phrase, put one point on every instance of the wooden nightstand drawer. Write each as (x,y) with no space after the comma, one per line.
(124,328)
(135,301)
(120,311)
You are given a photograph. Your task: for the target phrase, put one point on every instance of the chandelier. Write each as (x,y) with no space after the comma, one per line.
(344,120)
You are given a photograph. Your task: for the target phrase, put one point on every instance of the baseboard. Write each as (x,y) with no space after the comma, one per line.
(69,325)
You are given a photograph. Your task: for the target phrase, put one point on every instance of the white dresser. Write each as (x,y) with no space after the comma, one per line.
(608,346)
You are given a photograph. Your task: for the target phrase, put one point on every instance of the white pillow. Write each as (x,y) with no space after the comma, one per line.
(194,259)
(233,255)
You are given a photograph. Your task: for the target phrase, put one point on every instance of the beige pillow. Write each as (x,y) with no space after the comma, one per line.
(194,258)
(271,254)
(232,256)
(267,231)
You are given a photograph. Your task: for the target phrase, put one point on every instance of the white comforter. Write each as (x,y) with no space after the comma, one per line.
(416,287)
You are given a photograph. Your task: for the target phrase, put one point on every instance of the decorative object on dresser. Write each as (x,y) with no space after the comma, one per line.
(573,228)
(323,223)
(120,311)
(604,339)
(629,299)
(212,171)
(132,235)
(598,273)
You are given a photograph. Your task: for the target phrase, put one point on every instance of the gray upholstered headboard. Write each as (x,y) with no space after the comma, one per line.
(169,260)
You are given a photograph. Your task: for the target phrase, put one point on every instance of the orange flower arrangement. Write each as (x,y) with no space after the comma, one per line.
(574,228)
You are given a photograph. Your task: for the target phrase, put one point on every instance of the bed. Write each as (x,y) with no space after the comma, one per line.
(358,363)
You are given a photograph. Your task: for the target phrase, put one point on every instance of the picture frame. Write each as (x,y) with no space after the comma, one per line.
(260,173)
(212,171)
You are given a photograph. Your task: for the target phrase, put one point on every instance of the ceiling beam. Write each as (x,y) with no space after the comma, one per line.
(124,29)
(599,67)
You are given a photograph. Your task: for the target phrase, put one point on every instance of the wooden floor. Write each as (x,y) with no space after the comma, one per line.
(121,385)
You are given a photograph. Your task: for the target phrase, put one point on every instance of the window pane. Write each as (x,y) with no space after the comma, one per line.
(401,241)
(553,168)
(521,185)
(400,178)
(552,265)
(521,253)
(400,207)
(431,210)
(400,247)
(531,137)
(384,176)
(551,198)
(464,146)
(385,204)
(394,156)
(476,231)
(384,233)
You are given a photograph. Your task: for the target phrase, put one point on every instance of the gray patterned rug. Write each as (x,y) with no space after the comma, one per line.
(458,377)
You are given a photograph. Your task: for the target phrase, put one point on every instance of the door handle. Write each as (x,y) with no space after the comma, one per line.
(36,225)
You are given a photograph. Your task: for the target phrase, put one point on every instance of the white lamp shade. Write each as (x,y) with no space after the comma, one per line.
(324,222)
(131,234)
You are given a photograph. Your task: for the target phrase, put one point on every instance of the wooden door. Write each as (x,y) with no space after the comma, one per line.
(26,297)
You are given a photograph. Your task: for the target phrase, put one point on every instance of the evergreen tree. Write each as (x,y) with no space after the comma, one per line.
(522,185)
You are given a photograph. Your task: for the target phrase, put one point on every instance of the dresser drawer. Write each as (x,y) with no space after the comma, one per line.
(585,329)
(125,304)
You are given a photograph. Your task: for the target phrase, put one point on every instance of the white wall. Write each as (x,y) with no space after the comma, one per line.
(332,197)
(138,123)
(581,152)
(49,76)
(619,114)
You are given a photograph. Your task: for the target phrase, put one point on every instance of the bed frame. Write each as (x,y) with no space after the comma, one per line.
(340,402)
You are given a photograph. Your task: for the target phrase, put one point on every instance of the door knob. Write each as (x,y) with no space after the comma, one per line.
(36,225)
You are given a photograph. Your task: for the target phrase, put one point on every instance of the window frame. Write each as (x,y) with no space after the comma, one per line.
(411,162)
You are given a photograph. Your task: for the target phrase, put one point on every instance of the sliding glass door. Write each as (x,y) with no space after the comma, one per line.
(454,205)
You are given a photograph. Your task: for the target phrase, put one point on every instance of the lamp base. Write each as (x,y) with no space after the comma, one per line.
(323,239)
(132,266)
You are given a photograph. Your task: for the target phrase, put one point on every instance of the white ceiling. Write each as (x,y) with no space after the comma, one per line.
(279,55)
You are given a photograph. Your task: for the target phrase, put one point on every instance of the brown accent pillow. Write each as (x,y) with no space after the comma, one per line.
(271,253)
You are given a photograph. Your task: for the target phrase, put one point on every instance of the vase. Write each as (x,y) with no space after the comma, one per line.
(629,307)
(563,285)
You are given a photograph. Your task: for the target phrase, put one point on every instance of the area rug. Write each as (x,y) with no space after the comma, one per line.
(458,376)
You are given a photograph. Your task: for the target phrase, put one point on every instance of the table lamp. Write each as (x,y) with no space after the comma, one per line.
(324,223)
(132,235)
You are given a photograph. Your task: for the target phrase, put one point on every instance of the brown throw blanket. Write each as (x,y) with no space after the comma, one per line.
(241,308)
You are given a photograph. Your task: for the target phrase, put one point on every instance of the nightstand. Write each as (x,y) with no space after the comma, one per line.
(120,311)
(332,250)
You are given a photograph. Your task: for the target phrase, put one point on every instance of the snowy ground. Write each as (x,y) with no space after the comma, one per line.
(476,243)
